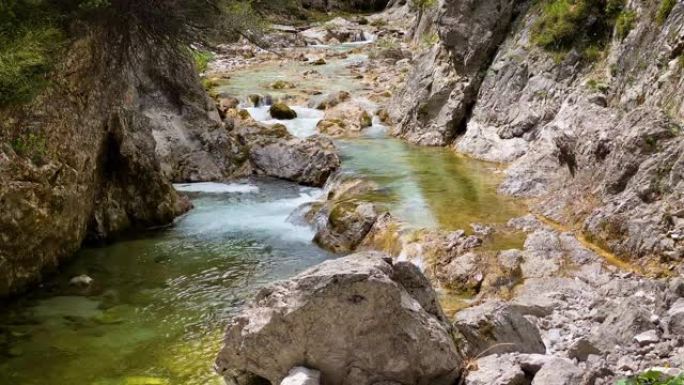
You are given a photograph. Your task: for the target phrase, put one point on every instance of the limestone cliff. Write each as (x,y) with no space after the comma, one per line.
(596,141)
(80,162)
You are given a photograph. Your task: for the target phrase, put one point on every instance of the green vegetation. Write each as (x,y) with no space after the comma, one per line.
(652,378)
(30,38)
(30,145)
(625,23)
(202,59)
(664,10)
(429,39)
(585,25)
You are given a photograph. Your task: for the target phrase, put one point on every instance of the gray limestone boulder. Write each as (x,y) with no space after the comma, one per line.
(358,320)
(496,327)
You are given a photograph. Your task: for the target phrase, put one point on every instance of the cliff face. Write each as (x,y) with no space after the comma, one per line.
(80,162)
(598,143)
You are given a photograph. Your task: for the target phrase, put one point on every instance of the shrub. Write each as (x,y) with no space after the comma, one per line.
(202,59)
(652,378)
(624,23)
(557,28)
(585,25)
(664,10)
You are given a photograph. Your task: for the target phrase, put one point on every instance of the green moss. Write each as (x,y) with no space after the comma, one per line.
(625,23)
(664,10)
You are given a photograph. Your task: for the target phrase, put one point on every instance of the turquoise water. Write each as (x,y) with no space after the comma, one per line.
(156,310)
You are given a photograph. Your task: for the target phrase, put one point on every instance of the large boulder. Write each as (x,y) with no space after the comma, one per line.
(307,161)
(496,327)
(359,320)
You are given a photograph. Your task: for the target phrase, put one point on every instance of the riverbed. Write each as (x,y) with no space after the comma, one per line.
(160,300)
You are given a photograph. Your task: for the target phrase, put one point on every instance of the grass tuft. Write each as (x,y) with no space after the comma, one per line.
(664,10)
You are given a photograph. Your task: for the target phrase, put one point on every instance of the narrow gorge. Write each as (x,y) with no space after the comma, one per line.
(341,192)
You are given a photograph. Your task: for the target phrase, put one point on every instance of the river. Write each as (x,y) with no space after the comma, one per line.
(161,299)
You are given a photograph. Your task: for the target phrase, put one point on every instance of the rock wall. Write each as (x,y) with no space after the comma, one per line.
(598,143)
(80,162)
(435,104)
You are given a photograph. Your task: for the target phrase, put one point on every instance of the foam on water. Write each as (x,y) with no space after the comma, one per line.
(268,218)
(216,188)
(304,125)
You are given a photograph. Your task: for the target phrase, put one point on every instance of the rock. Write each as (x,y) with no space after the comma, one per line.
(227,103)
(319,62)
(622,324)
(581,349)
(509,261)
(463,273)
(344,118)
(647,338)
(496,370)
(442,86)
(308,318)
(81,280)
(323,102)
(598,99)
(282,111)
(302,376)
(675,324)
(482,230)
(366,120)
(558,371)
(348,224)
(282,85)
(79,177)
(495,328)
(307,161)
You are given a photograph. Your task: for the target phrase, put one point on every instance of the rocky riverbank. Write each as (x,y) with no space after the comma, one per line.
(561,309)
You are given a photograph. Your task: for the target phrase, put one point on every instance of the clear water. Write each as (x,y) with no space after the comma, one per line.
(333,77)
(156,311)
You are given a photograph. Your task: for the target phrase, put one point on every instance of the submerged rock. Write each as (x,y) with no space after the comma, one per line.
(358,320)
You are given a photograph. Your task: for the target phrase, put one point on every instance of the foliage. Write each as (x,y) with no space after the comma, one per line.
(625,23)
(429,39)
(202,59)
(30,38)
(585,25)
(652,378)
(664,10)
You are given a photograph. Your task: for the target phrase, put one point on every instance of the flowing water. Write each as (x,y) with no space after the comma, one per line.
(159,301)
